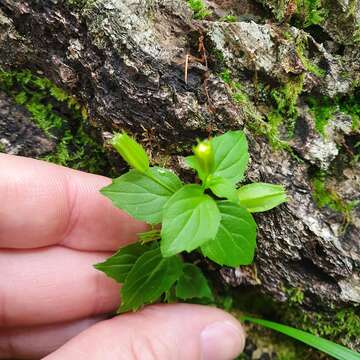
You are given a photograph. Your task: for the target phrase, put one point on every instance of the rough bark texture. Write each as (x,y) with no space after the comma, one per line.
(124,60)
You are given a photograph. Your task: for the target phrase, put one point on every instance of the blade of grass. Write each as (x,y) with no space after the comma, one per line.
(337,351)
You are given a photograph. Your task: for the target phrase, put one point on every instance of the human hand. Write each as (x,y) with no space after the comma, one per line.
(54,225)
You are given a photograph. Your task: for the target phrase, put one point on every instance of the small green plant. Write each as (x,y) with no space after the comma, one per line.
(229,18)
(200,9)
(213,218)
(311,12)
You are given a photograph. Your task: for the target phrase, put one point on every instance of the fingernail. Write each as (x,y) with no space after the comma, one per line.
(222,340)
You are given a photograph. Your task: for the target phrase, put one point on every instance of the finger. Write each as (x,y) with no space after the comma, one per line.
(44,204)
(37,342)
(191,332)
(49,285)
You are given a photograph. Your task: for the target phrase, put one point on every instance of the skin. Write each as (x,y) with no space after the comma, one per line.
(54,225)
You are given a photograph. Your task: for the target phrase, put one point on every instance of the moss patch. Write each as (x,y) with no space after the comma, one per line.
(200,9)
(301,43)
(356,34)
(256,122)
(324,196)
(59,116)
(304,13)
(310,12)
(229,18)
(323,108)
(285,105)
(340,325)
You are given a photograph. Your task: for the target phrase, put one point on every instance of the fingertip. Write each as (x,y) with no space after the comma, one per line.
(177,331)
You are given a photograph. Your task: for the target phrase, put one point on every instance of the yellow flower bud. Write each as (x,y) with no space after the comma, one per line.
(205,156)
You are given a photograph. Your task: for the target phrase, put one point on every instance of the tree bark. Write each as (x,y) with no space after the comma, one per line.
(125,60)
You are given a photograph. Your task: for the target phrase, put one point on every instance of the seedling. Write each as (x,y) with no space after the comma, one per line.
(212,218)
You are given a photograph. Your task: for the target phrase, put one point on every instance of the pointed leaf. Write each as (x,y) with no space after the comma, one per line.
(141,196)
(336,351)
(259,197)
(223,188)
(119,265)
(190,218)
(235,241)
(193,284)
(131,151)
(231,155)
(193,162)
(150,277)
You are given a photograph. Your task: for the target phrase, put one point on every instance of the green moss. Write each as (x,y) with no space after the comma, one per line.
(226,76)
(285,106)
(229,18)
(2,148)
(59,116)
(217,59)
(256,122)
(323,108)
(310,12)
(301,45)
(307,12)
(295,296)
(325,196)
(279,9)
(352,4)
(251,301)
(357,152)
(356,34)
(351,105)
(199,8)
(339,325)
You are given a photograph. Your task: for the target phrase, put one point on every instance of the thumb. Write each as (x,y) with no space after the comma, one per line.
(159,332)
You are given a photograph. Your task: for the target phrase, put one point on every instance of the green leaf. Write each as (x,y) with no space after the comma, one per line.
(193,162)
(223,188)
(131,151)
(150,276)
(231,155)
(193,284)
(141,196)
(337,351)
(190,218)
(119,265)
(235,241)
(259,197)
